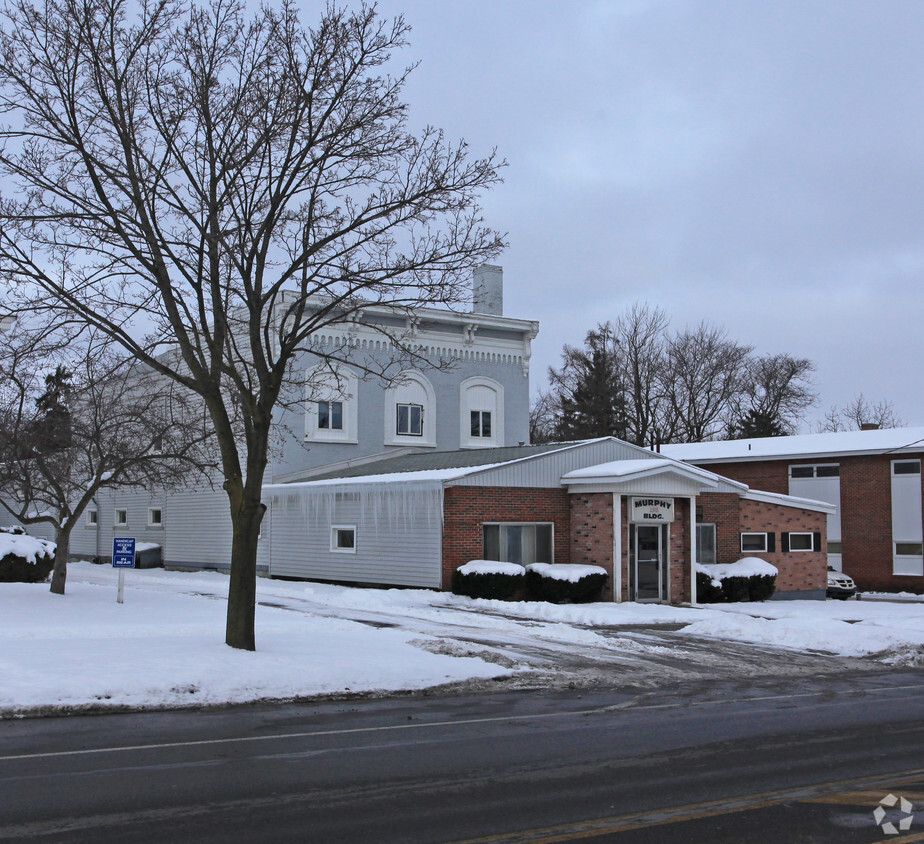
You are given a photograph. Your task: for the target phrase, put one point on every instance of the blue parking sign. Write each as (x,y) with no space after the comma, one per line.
(123,552)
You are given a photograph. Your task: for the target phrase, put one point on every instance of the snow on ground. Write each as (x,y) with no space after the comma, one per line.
(165,645)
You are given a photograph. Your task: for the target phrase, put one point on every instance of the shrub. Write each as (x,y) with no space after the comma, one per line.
(487,579)
(25,559)
(573,585)
(761,587)
(707,592)
(749,579)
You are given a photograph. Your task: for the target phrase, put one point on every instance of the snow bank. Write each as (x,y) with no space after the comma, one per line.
(27,547)
(564,571)
(491,567)
(745,567)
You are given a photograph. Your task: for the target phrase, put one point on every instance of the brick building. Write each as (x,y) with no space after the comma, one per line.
(872,477)
(645,518)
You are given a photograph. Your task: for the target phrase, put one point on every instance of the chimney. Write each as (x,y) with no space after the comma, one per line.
(488,290)
(869,426)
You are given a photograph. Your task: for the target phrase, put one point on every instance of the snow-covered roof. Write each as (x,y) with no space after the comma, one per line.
(883,441)
(387,478)
(791,501)
(625,470)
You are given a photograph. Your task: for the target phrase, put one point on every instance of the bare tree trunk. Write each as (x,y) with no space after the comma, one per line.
(246,516)
(62,552)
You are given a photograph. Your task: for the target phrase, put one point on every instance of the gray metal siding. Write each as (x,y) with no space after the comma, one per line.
(295,454)
(398,534)
(547,470)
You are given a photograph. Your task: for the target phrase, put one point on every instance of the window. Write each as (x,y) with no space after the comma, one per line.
(409,420)
(410,411)
(331,405)
(121,517)
(834,547)
(827,470)
(330,415)
(754,542)
(481,413)
(906,467)
(909,549)
(343,538)
(518,542)
(705,544)
(155,517)
(481,423)
(92,518)
(801,542)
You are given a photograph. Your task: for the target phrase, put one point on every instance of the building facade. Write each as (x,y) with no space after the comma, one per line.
(413,520)
(453,380)
(872,477)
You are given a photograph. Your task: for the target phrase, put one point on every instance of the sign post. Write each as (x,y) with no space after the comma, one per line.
(123,557)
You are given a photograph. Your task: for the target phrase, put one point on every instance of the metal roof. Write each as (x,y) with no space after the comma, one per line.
(457,459)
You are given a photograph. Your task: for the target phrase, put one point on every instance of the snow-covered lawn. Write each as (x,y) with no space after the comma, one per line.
(164,646)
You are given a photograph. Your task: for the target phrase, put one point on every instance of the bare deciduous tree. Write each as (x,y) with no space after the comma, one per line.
(859,413)
(641,334)
(230,183)
(776,392)
(703,375)
(95,420)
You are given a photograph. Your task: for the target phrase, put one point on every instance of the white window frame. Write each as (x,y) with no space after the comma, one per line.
(485,395)
(410,388)
(324,386)
(335,537)
(93,518)
(330,403)
(123,521)
(896,463)
(811,541)
(753,550)
(151,522)
(410,407)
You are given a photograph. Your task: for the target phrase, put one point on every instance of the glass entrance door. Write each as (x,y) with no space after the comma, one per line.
(647,562)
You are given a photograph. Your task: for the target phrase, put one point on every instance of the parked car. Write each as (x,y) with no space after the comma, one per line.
(839,585)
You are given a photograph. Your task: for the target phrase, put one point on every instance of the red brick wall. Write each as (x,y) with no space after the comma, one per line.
(466,508)
(866,511)
(766,475)
(592,533)
(680,552)
(799,571)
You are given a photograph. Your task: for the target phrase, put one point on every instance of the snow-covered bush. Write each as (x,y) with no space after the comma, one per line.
(25,559)
(489,579)
(565,584)
(750,579)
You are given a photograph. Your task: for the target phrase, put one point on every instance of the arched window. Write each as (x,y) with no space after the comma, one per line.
(410,411)
(331,406)
(481,413)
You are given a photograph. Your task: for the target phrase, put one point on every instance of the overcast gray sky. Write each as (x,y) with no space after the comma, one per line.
(756,165)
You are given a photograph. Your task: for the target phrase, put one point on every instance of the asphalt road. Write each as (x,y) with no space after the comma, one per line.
(763,760)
